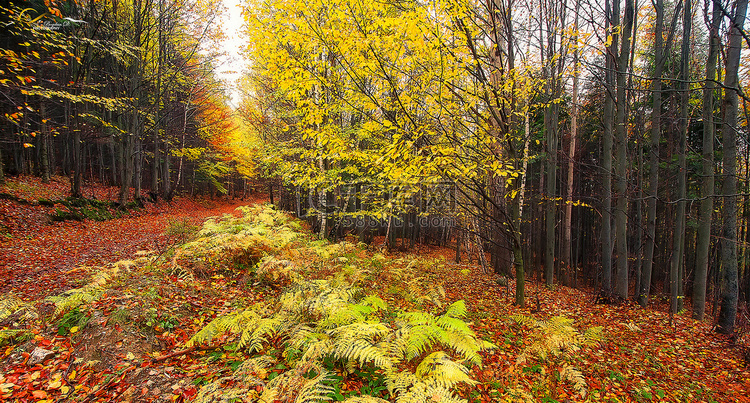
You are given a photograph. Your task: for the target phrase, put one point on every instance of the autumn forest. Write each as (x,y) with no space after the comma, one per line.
(396,201)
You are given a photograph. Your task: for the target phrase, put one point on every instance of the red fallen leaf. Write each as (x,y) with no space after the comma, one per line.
(190,392)
(39,394)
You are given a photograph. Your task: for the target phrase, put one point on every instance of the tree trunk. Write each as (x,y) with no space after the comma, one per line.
(75,190)
(166,179)
(127,168)
(703,247)
(568,221)
(621,143)
(653,177)
(729,285)
(44,144)
(678,246)
(2,168)
(613,20)
(551,117)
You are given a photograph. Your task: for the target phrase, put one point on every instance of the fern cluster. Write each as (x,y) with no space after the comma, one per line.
(316,322)
(557,338)
(12,306)
(96,287)
(414,274)
(236,241)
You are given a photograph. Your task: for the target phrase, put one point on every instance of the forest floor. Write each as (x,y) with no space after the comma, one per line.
(128,344)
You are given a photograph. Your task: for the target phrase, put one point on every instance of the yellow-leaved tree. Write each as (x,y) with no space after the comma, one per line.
(398,96)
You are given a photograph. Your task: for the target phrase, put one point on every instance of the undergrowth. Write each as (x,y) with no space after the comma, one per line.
(341,324)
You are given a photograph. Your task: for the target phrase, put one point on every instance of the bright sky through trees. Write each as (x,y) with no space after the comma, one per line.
(232,63)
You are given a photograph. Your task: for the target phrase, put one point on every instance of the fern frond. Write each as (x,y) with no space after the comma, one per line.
(318,389)
(365,399)
(14,336)
(75,298)
(374,302)
(362,352)
(232,323)
(420,338)
(575,376)
(593,335)
(216,392)
(453,324)
(253,370)
(400,382)
(9,305)
(418,318)
(439,369)
(408,388)
(465,345)
(456,310)
(524,320)
(254,337)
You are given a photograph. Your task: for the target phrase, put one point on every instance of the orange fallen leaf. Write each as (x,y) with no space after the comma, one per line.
(39,394)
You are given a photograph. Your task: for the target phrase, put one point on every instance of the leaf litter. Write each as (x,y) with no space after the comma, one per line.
(129,344)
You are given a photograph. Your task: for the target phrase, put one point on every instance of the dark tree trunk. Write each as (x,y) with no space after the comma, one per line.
(729,286)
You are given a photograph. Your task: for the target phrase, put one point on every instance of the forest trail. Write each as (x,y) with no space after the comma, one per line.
(39,258)
(132,340)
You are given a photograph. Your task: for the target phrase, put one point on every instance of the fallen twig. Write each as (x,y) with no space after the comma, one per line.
(185,351)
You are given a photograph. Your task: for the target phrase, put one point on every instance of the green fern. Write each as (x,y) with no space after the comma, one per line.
(365,399)
(559,339)
(574,376)
(11,304)
(249,374)
(237,241)
(556,336)
(316,322)
(256,336)
(439,369)
(14,336)
(76,298)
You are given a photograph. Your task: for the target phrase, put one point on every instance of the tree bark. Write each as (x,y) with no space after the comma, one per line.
(621,144)
(729,284)
(568,221)
(653,177)
(613,20)
(703,247)
(44,144)
(678,246)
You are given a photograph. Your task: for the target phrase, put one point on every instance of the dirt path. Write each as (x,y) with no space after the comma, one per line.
(40,258)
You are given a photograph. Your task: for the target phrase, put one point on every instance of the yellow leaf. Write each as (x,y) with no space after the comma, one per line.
(65,389)
(55,384)
(74,329)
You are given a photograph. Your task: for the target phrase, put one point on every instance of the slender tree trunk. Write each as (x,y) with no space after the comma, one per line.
(703,247)
(621,143)
(613,20)
(138,171)
(44,143)
(653,177)
(729,285)
(113,154)
(567,225)
(75,190)
(551,117)
(166,179)
(2,167)
(678,246)
(127,168)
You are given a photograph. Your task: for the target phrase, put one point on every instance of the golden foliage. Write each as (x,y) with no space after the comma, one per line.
(556,337)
